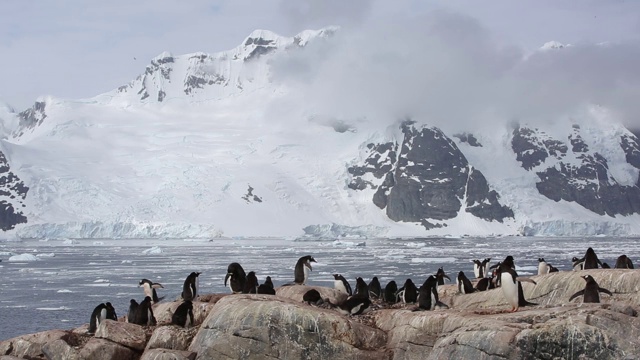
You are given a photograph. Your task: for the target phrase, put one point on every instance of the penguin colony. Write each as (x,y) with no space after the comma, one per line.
(363,298)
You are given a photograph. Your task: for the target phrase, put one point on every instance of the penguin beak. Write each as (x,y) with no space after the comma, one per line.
(226,278)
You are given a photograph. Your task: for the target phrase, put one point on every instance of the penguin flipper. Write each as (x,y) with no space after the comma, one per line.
(442,305)
(521,279)
(579,293)
(603,290)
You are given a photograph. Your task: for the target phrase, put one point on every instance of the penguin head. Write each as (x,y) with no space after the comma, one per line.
(133,302)
(440,273)
(336,276)
(307,260)
(588,278)
(540,259)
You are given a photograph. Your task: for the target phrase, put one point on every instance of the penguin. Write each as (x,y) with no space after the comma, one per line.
(355,305)
(374,288)
(605,265)
(512,287)
(133,308)
(409,292)
(485,284)
(183,316)
(577,264)
(480,267)
(312,297)
(238,278)
(428,299)
(494,275)
(390,292)
(111,312)
(98,314)
(267,287)
(440,275)
(591,291)
(543,267)
(301,271)
(591,260)
(251,286)
(150,289)
(362,289)
(144,313)
(190,287)
(553,269)
(464,285)
(623,262)
(341,284)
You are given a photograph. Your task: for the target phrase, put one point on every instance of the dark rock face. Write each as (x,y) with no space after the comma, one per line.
(31,118)
(13,192)
(427,177)
(588,181)
(469,139)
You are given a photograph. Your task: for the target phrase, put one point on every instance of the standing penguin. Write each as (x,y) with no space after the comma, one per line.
(111,312)
(183,316)
(149,289)
(480,268)
(409,292)
(362,289)
(301,271)
(428,299)
(591,260)
(144,313)
(238,278)
(543,267)
(374,288)
(485,284)
(267,287)
(133,308)
(251,286)
(623,262)
(341,284)
(190,287)
(98,314)
(440,275)
(591,291)
(577,264)
(390,292)
(464,285)
(511,286)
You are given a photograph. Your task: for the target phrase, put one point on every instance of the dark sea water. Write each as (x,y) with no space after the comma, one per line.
(60,290)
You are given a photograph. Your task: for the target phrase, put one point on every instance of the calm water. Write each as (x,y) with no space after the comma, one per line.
(69,280)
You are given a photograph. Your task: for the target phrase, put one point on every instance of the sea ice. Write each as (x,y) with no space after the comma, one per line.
(153,250)
(23,257)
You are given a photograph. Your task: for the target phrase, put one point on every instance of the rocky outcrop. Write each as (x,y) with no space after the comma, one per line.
(13,193)
(427,179)
(477,326)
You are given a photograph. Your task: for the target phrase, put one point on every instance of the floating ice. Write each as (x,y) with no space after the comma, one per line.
(153,250)
(415,245)
(46,255)
(61,291)
(348,243)
(98,243)
(70,242)
(127,262)
(23,257)
(54,309)
(434,260)
(6,253)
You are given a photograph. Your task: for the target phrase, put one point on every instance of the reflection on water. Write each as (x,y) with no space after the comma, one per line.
(62,288)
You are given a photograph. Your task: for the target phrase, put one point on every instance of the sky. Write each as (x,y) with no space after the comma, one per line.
(81,48)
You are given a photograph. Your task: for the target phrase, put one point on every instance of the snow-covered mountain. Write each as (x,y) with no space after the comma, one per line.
(196,147)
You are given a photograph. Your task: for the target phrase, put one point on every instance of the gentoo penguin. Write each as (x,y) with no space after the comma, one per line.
(591,291)
(390,292)
(301,271)
(341,284)
(577,264)
(267,287)
(362,289)
(511,286)
(591,260)
(98,314)
(149,289)
(111,312)
(464,285)
(428,299)
(238,278)
(144,313)
(553,268)
(605,265)
(543,267)
(190,287)
(485,284)
(409,292)
(133,308)
(312,297)
(355,305)
(623,262)
(480,267)
(183,316)
(251,286)
(374,288)
(440,275)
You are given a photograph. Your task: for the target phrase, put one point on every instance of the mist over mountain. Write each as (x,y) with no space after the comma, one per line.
(338,133)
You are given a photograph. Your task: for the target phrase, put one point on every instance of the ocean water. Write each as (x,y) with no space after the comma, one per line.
(61,288)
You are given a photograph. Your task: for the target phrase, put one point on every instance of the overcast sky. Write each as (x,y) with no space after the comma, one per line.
(81,48)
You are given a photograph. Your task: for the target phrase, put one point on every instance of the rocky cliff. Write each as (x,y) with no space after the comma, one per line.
(477,326)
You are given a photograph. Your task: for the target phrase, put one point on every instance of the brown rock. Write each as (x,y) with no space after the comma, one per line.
(296,292)
(26,346)
(60,350)
(266,326)
(126,334)
(164,311)
(171,337)
(164,354)
(101,349)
